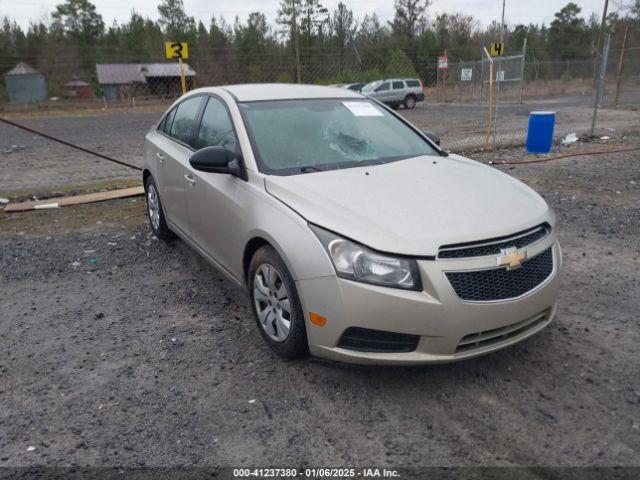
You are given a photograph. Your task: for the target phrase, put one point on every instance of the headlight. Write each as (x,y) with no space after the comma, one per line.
(357,262)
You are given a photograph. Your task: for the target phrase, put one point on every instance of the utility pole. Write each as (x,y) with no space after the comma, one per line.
(502,23)
(600,36)
(600,86)
(294,32)
(621,67)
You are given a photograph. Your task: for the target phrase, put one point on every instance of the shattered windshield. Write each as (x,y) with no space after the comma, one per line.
(299,136)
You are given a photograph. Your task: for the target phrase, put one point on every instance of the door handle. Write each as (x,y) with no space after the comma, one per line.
(160,157)
(190,179)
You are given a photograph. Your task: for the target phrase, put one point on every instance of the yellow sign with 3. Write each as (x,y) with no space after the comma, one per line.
(176,50)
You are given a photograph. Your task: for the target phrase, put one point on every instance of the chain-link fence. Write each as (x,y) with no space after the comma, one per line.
(456,106)
(68,80)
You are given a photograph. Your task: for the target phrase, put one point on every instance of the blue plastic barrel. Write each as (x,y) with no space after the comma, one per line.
(540,133)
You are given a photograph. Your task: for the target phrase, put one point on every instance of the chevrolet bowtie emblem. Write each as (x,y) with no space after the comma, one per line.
(511,257)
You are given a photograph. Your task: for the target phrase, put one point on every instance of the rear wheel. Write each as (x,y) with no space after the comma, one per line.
(156,214)
(276,304)
(410,102)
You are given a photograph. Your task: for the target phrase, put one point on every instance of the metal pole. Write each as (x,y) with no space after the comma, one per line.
(600,35)
(603,71)
(495,111)
(438,83)
(524,59)
(620,67)
(444,78)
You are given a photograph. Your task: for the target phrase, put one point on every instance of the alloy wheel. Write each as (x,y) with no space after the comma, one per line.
(153,204)
(271,300)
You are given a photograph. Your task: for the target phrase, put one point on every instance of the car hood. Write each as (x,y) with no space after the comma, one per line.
(413,206)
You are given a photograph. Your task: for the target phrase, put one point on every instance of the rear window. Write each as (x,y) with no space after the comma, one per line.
(413,83)
(398,85)
(165,126)
(183,119)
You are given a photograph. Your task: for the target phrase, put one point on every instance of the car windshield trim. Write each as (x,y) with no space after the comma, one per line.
(319,166)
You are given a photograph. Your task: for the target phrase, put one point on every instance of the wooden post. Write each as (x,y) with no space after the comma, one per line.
(183,80)
(620,67)
(490,93)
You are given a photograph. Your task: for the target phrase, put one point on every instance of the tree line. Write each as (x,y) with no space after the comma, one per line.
(307,43)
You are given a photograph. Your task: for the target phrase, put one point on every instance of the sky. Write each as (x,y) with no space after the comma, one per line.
(517,11)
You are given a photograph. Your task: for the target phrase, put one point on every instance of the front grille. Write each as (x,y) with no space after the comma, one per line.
(498,335)
(367,340)
(494,246)
(500,283)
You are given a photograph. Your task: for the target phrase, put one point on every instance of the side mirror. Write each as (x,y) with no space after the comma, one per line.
(432,136)
(216,160)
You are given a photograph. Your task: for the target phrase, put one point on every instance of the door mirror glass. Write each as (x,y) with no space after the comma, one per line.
(434,137)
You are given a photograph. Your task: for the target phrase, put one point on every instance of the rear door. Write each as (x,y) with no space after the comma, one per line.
(174,151)
(399,90)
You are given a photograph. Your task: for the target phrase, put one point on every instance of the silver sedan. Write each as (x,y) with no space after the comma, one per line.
(357,237)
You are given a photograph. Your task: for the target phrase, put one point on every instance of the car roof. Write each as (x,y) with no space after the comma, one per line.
(285,91)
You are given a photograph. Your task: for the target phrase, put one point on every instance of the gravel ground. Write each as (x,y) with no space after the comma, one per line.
(42,163)
(120,350)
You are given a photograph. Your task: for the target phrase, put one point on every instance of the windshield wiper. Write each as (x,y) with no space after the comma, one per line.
(310,169)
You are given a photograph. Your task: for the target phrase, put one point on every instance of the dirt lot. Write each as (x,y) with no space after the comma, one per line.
(120,350)
(41,163)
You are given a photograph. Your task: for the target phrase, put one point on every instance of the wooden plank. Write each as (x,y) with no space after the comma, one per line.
(74,200)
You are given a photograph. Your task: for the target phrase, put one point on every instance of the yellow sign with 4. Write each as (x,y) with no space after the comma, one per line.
(496,49)
(176,50)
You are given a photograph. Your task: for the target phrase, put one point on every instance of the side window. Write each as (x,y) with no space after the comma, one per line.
(183,119)
(413,83)
(216,128)
(165,127)
(398,85)
(384,87)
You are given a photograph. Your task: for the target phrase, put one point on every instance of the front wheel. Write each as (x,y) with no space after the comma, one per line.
(276,304)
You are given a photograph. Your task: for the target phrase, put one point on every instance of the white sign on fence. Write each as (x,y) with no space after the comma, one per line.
(466,74)
(500,76)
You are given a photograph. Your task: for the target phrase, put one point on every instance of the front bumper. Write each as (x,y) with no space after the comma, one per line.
(447,326)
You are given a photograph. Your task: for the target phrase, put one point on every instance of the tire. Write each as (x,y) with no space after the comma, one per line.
(155,212)
(410,102)
(269,304)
